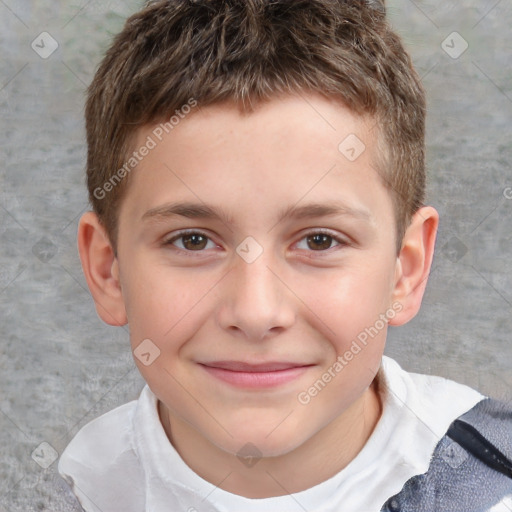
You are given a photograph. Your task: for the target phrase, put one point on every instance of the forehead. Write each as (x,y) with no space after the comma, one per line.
(287,148)
(312,117)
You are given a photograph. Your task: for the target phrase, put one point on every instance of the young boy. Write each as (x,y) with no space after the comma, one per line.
(256,170)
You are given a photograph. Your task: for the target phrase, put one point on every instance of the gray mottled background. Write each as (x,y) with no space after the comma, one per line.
(60,367)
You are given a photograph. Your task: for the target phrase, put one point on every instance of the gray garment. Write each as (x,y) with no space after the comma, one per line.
(458,481)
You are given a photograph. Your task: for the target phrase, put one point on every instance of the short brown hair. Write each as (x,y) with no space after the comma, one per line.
(249,51)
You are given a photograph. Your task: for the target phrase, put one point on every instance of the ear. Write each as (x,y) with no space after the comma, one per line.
(413,263)
(101,270)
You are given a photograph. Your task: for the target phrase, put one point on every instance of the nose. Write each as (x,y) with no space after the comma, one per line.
(256,302)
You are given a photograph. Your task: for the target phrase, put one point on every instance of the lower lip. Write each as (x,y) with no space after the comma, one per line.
(256,379)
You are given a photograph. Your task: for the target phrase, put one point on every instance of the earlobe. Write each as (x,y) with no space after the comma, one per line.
(414,262)
(101,270)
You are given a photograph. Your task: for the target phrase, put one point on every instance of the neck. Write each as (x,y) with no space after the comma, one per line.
(318,459)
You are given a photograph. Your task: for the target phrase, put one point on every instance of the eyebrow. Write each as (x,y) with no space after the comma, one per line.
(204,211)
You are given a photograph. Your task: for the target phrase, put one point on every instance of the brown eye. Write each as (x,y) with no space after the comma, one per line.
(194,242)
(191,242)
(319,241)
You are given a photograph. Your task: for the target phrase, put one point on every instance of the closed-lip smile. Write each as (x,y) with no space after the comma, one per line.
(261,375)
(239,366)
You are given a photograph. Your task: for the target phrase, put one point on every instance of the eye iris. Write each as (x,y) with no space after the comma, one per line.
(196,241)
(320,238)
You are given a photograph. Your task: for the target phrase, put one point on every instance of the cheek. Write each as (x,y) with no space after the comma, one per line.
(164,303)
(354,312)
(351,302)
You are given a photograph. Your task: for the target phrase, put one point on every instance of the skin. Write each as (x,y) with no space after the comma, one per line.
(304,299)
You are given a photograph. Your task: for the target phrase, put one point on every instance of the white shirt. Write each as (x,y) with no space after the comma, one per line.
(123,460)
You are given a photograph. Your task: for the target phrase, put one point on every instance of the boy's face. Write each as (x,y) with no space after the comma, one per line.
(256,288)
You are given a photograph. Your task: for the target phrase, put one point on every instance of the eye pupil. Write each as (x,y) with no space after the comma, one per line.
(320,238)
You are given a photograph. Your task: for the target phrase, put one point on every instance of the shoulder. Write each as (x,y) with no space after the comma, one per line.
(101,463)
(432,400)
(104,435)
(471,467)
(425,384)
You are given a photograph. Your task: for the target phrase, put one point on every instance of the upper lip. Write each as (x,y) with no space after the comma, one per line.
(239,366)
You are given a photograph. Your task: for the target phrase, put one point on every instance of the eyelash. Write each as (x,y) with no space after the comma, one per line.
(182,234)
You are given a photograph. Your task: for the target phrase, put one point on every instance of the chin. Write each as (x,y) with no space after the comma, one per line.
(260,444)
